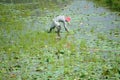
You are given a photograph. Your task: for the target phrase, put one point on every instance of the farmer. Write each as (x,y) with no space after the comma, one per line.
(56,23)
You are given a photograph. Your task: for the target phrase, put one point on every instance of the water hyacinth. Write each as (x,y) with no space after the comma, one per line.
(91,49)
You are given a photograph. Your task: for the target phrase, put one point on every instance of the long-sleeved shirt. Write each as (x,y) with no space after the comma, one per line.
(58,19)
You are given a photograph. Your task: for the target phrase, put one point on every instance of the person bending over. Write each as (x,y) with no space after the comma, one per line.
(56,23)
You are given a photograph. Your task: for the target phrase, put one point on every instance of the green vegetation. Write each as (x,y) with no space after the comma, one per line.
(28,52)
(113,4)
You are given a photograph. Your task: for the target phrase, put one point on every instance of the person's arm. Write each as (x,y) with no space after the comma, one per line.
(64,23)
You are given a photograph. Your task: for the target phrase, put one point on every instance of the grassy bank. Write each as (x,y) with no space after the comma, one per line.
(113,4)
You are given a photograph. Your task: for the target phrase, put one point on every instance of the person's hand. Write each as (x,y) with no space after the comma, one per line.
(69,23)
(67,31)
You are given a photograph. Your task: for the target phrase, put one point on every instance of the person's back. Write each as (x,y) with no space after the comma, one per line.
(59,18)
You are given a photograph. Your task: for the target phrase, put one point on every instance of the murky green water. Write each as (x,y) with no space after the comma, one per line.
(89,51)
(88,21)
(86,17)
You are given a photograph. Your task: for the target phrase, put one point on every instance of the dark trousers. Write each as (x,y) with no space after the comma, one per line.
(58,29)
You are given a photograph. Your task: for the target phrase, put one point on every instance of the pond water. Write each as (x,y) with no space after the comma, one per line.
(89,15)
(89,51)
(86,17)
(89,22)
(96,26)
